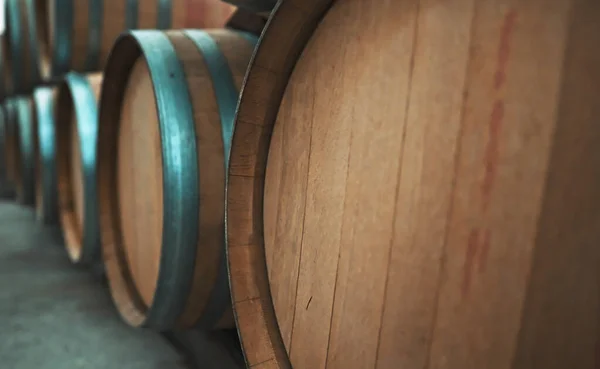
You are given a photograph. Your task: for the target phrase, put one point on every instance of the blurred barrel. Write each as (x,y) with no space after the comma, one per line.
(416,185)
(27,136)
(46,204)
(80,33)
(166,122)
(76,127)
(22,45)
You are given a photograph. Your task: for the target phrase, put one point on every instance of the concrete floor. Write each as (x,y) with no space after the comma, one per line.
(56,316)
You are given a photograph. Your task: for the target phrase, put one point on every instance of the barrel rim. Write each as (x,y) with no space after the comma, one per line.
(61,49)
(180,179)
(43,107)
(73,92)
(264,85)
(27,133)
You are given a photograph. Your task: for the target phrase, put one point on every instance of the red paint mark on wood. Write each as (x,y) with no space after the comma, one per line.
(485,250)
(472,246)
(478,248)
(506,33)
(492,152)
(195,12)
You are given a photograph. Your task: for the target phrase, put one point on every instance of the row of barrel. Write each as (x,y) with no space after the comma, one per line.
(45,39)
(367,184)
(170,92)
(167,104)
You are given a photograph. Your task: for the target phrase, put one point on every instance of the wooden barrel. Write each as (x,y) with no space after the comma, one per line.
(76,132)
(80,33)
(415,185)
(26,147)
(46,204)
(166,122)
(22,41)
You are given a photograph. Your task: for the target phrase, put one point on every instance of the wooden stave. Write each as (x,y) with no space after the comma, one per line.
(22,50)
(170,14)
(126,52)
(268,73)
(46,180)
(75,96)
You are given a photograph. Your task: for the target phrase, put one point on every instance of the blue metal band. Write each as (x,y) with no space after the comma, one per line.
(180,179)
(16,44)
(95,16)
(226,95)
(27,146)
(43,98)
(62,47)
(131,14)
(163,20)
(251,38)
(86,114)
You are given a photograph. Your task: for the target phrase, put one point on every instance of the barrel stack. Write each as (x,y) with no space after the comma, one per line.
(347,184)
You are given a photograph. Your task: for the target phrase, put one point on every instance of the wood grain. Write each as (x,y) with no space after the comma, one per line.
(139,181)
(430,190)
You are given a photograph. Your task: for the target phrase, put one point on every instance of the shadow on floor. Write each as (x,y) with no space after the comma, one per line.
(57,316)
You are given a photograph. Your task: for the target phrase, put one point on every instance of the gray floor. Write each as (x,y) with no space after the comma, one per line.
(56,316)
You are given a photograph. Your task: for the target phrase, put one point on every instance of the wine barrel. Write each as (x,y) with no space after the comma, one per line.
(423,200)
(80,33)
(44,99)
(166,122)
(76,132)
(26,148)
(22,45)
